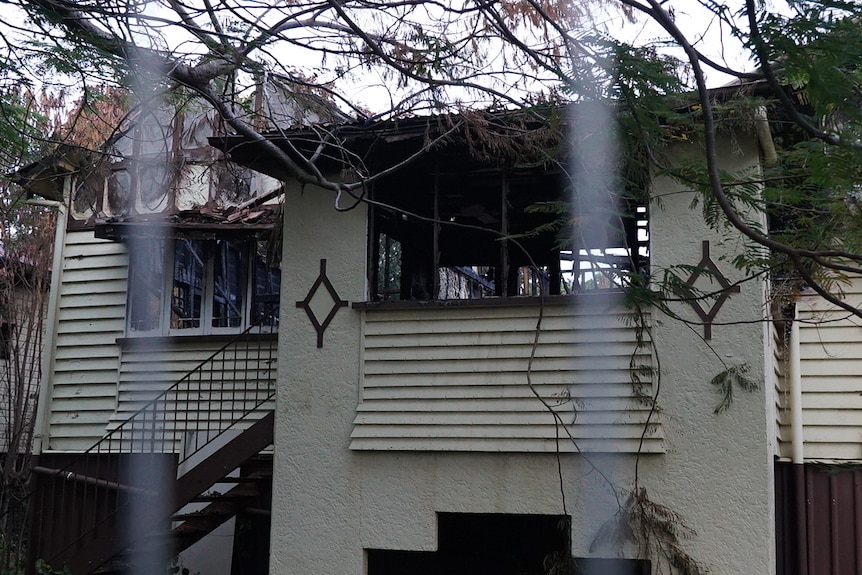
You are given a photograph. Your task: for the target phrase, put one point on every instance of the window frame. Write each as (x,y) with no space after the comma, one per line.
(422,246)
(205,325)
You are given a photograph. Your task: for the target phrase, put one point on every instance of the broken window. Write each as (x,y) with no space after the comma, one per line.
(187,291)
(496,233)
(267,286)
(85,195)
(215,286)
(146,285)
(230,267)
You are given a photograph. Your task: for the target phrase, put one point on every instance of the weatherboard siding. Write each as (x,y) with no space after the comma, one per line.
(457,380)
(831,358)
(100,379)
(781,391)
(90,318)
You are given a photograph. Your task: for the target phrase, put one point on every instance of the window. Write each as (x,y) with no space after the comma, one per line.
(214,286)
(492,233)
(6,331)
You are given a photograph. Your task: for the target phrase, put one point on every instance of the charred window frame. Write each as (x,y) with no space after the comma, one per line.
(495,233)
(7,331)
(189,286)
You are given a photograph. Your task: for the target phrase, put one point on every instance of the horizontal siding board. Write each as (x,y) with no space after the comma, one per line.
(85,237)
(482,391)
(516,318)
(455,379)
(187,357)
(66,445)
(78,377)
(841,402)
(78,430)
(116,300)
(109,329)
(837,421)
(831,434)
(502,406)
(526,431)
(106,270)
(530,445)
(814,306)
(509,329)
(610,379)
(845,345)
(78,314)
(86,287)
(70,404)
(93,390)
(832,383)
(545,350)
(492,365)
(821,334)
(81,417)
(587,422)
(104,363)
(73,353)
(477,337)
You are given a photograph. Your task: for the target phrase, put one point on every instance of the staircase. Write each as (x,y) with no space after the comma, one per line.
(125,500)
(247,492)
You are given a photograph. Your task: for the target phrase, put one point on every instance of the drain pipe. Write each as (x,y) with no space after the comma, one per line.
(46,392)
(796,431)
(764,136)
(797,443)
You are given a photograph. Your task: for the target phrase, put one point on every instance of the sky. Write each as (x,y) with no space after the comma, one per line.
(704,30)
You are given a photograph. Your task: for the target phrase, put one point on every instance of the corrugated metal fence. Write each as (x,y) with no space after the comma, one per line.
(819,519)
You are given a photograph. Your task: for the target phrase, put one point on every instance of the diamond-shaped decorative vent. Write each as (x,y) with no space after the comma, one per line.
(707,265)
(314,301)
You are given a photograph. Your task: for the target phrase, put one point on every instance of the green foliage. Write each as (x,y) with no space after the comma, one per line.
(21,127)
(733,376)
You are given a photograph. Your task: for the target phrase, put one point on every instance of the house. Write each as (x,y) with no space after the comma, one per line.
(420,434)
(448,399)
(160,349)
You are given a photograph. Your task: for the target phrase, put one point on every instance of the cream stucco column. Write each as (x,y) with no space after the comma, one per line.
(315,506)
(718,470)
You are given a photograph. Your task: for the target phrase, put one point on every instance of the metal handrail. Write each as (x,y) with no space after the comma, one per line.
(221,391)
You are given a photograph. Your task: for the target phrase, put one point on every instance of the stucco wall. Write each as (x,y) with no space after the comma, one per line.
(330,503)
(718,470)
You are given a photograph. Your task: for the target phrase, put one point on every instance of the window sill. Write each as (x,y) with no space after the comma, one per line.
(161,340)
(610,296)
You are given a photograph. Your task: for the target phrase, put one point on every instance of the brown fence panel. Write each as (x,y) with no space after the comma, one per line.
(818,519)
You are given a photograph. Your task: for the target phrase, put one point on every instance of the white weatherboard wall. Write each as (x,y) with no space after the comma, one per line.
(830,348)
(95,381)
(452,379)
(82,381)
(331,502)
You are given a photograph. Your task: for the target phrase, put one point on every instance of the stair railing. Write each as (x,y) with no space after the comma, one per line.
(222,391)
